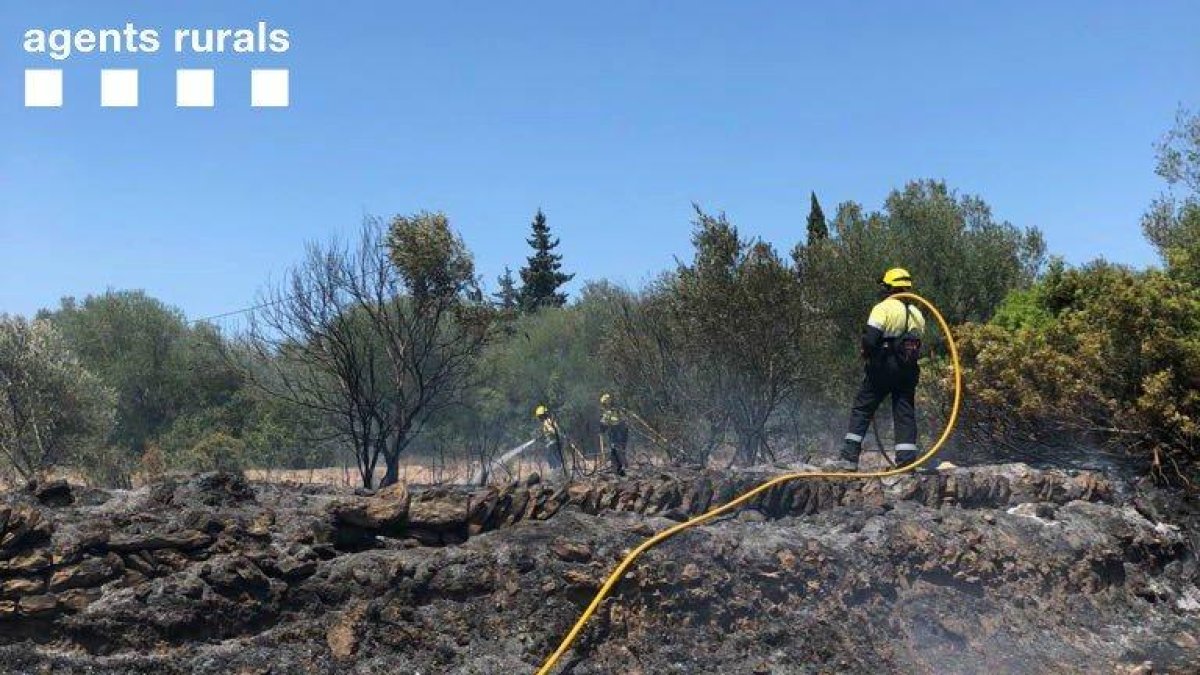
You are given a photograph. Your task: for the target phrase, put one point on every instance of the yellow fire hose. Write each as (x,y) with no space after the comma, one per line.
(657,539)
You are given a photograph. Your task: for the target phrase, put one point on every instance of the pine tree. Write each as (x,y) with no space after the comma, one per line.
(541,277)
(507,297)
(817,227)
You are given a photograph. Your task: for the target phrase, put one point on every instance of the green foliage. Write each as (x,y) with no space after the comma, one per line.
(217,451)
(507,298)
(55,411)
(549,357)
(1118,359)
(432,260)
(745,317)
(1172,222)
(1030,307)
(959,255)
(818,229)
(159,366)
(542,275)
(729,336)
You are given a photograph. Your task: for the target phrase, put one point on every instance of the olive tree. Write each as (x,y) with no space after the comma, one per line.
(378,336)
(718,345)
(1172,223)
(54,410)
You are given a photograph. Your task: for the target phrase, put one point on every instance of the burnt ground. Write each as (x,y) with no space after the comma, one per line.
(990,569)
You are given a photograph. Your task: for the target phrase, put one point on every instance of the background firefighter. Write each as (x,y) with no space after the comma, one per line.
(891,347)
(616,432)
(551,438)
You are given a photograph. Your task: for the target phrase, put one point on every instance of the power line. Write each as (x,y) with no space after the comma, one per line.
(244,310)
(278,301)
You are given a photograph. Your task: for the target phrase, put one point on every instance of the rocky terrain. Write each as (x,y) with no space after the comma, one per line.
(975,570)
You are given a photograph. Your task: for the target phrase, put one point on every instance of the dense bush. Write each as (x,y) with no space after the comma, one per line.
(217,451)
(1101,352)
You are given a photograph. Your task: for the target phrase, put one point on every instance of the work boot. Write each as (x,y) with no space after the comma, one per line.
(905,457)
(850,451)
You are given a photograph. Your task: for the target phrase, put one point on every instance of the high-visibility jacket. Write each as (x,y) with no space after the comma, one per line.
(549,429)
(891,322)
(610,417)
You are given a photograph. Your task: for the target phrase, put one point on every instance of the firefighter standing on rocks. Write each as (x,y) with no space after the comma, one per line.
(891,346)
(552,443)
(616,432)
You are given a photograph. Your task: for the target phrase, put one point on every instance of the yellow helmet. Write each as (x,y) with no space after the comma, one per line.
(541,411)
(605,399)
(897,277)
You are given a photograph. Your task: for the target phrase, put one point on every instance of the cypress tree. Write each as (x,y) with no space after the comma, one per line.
(507,297)
(542,275)
(817,227)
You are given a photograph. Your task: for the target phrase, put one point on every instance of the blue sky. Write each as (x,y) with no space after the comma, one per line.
(611,116)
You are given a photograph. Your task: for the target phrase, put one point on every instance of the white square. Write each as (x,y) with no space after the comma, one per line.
(118,88)
(194,88)
(43,88)
(269,88)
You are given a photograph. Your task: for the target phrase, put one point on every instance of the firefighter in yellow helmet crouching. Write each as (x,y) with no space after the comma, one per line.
(891,347)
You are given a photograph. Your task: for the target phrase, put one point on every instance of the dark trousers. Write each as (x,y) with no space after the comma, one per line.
(554,453)
(618,437)
(881,380)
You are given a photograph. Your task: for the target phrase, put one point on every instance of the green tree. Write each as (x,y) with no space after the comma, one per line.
(660,375)
(747,317)
(542,276)
(549,357)
(818,229)
(54,412)
(1172,223)
(960,256)
(160,367)
(377,338)
(508,297)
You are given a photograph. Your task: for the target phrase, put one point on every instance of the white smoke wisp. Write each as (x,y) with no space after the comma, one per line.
(501,461)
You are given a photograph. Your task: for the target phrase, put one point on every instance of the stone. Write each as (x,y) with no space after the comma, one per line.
(54,493)
(38,605)
(78,599)
(15,588)
(26,563)
(292,569)
(236,576)
(872,581)
(691,574)
(185,541)
(343,635)
(89,572)
(25,528)
(260,526)
(578,578)
(569,551)
(437,512)
(77,543)
(751,516)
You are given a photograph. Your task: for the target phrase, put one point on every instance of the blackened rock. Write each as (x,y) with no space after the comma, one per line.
(53,493)
(90,572)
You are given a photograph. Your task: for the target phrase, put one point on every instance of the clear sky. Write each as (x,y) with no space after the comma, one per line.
(612,116)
